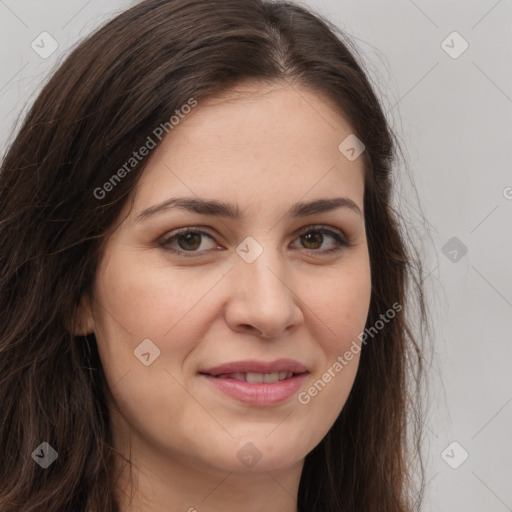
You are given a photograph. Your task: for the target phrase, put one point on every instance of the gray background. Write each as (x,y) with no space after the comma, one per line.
(453,117)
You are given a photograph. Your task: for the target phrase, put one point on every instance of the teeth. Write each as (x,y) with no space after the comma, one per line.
(257,378)
(235,376)
(270,378)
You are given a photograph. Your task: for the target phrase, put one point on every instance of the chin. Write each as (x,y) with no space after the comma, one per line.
(259,454)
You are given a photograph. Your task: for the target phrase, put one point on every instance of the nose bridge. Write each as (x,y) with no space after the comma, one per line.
(263,269)
(264,298)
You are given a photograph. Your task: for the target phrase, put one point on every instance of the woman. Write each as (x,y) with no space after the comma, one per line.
(204,287)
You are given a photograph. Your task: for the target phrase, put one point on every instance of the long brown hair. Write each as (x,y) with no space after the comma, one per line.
(100,106)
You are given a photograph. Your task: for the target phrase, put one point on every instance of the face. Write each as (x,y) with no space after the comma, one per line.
(279,288)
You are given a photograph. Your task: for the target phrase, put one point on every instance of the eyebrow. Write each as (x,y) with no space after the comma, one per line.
(232,211)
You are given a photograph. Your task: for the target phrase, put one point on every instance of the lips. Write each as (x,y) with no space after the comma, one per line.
(256,382)
(256,367)
(257,378)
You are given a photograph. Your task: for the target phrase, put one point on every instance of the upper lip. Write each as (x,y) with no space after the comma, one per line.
(279,365)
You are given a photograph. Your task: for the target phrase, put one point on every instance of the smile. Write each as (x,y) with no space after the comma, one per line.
(257,378)
(256,382)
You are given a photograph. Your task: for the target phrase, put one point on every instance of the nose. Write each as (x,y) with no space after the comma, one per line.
(261,299)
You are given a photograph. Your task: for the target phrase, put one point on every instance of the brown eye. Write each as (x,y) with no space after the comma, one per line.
(187,241)
(190,242)
(314,238)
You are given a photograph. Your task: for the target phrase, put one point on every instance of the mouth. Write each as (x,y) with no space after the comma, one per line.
(257,372)
(256,377)
(257,383)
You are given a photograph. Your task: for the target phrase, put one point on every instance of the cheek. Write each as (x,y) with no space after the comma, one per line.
(341,302)
(146,299)
(339,305)
(140,302)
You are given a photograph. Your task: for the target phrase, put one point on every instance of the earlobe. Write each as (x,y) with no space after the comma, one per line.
(84,321)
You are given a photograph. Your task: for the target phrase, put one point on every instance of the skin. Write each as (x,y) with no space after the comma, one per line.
(263,147)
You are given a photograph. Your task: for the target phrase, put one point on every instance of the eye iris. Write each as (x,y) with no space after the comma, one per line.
(311,237)
(189,237)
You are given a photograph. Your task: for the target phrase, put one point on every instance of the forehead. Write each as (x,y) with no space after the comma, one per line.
(254,144)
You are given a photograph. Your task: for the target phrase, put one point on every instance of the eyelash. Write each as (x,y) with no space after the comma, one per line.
(342,243)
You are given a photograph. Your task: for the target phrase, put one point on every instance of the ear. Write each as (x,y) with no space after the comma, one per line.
(84,319)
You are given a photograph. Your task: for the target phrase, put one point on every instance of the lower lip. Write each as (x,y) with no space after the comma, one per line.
(259,394)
